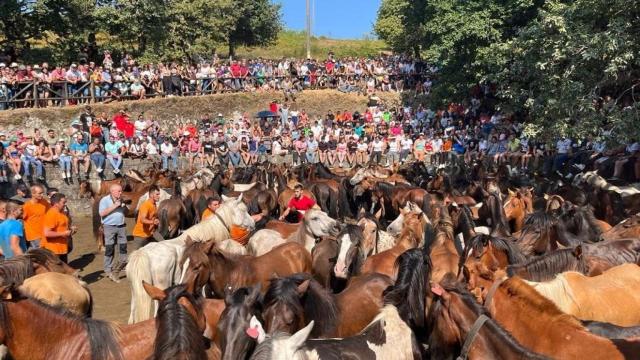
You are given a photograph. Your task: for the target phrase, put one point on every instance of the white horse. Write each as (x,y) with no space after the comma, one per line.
(158,263)
(315,224)
(199,180)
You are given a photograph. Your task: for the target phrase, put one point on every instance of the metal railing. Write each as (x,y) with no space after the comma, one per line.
(38,94)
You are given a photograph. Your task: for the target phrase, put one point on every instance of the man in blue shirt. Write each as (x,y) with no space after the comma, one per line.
(112,211)
(113,154)
(12,232)
(80,152)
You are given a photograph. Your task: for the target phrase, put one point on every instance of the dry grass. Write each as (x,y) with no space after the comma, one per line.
(170,111)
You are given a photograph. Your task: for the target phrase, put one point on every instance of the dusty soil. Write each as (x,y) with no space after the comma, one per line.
(111,300)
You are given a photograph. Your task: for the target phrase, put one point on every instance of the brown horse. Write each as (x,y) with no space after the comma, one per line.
(36,261)
(442,248)
(208,264)
(284,228)
(60,290)
(539,325)
(517,206)
(629,228)
(292,302)
(411,236)
(173,216)
(453,315)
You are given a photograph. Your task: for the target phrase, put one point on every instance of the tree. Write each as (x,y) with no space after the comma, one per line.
(255,23)
(16,22)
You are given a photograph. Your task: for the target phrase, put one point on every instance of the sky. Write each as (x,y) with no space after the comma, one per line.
(339,19)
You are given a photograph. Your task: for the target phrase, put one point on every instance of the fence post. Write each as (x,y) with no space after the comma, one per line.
(92,91)
(35,94)
(65,101)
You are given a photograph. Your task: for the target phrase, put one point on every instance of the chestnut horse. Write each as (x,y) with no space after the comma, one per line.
(209,265)
(610,297)
(411,236)
(453,315)
(25,322)
(442,248)
(517,206)
(539,325)
(628,228)
(292,302)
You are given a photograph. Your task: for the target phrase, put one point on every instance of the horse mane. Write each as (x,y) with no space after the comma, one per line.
(546,267)
(518,289)
(103,336)
(178,335)
(41,256)
(499,221)
(320,306)
(469,301)
(538,219)
(478,242)
(16,270)
(444,224)
(285,290)
(408,293)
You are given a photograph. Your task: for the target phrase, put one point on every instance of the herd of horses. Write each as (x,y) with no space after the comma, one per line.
(398,263)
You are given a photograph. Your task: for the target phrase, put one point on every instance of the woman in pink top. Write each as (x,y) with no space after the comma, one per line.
(342,151)
(193,152)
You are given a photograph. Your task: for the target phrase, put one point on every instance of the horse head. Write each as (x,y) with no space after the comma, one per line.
(351,253)
(241,306)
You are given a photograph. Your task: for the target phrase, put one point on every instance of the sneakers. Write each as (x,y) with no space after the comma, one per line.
(17,177)
(99,170)
(111,276)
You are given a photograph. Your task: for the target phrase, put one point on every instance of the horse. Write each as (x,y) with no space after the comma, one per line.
(547,266)
(518,204)
(441,247)
(290,302)
(539,235)
(628,228)
(539,325)
(158,263)
(61,290)
(453,318)
(411,236)
(209,265)
(352,252)
(179,325)
(386,337)
(486,254)
(36,261)
(610,297)
(315,224)
(376,239)
(173,216)
(410,294)
(240,306)
(285,229)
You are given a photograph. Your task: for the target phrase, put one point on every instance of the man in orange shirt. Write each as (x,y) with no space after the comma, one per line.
(147,219)
(213,203)
(56,228)
(34,210)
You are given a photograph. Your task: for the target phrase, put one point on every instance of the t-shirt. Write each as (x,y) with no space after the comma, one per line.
(8,229)
(33,216)
(56,221)
(116,217)
(207,213)
(147,211)
(113,147)
(304,203)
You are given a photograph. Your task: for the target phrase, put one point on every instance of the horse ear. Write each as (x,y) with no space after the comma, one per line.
(225,198)
(361,212)
(378,214)
(154,292)
(239,198)
(208,247)
(296,340)
(302,288)
(228,295)
(437,289)
(546,196)
(578,251)
(466,273)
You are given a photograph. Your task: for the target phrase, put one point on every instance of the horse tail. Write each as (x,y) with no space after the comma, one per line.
(429,239)
(139,270)
(163,229)
(188,204)
(186,220)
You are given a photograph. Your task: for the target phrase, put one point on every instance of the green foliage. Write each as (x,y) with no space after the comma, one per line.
(255,23)
(569,67)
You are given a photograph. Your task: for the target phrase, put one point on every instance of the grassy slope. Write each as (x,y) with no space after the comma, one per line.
(293,44)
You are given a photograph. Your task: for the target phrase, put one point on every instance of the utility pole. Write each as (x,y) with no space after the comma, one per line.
(308,29)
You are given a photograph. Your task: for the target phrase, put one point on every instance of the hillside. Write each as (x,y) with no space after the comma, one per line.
(171,111)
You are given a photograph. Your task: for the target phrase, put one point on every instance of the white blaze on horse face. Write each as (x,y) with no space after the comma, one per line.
(395,228)
(341,267)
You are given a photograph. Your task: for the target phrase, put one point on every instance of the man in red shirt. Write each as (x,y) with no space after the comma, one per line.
(299,204)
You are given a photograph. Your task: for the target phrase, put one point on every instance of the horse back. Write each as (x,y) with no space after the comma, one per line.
(360,302)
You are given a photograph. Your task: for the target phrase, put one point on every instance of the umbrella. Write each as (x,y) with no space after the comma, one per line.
(266,114)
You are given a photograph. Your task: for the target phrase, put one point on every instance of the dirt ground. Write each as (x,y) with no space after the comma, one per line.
(111,300)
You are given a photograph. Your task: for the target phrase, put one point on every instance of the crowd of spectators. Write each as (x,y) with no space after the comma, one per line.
(46,84)
(340,138)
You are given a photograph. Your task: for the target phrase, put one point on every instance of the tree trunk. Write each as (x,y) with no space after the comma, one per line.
(232,49)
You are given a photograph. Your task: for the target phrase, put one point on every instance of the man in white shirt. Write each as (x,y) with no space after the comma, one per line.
(563,148)
(166,151)
(406,146)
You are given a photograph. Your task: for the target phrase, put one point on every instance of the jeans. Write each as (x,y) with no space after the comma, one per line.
(165,161)
(311,157)
(235,158)
(224,160)
(393,157)
(98,160)
(114,235)
(65,163)
(559,161)
(376,156)
(403,154)
(115,161)
(27,160)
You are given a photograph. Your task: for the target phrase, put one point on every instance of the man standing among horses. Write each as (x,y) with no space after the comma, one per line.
(112,210)
(56,227)
(213,203)
(34,210)
(298,205)
(147,220)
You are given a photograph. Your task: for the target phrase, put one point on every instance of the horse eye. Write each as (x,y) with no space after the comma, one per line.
(314,218)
